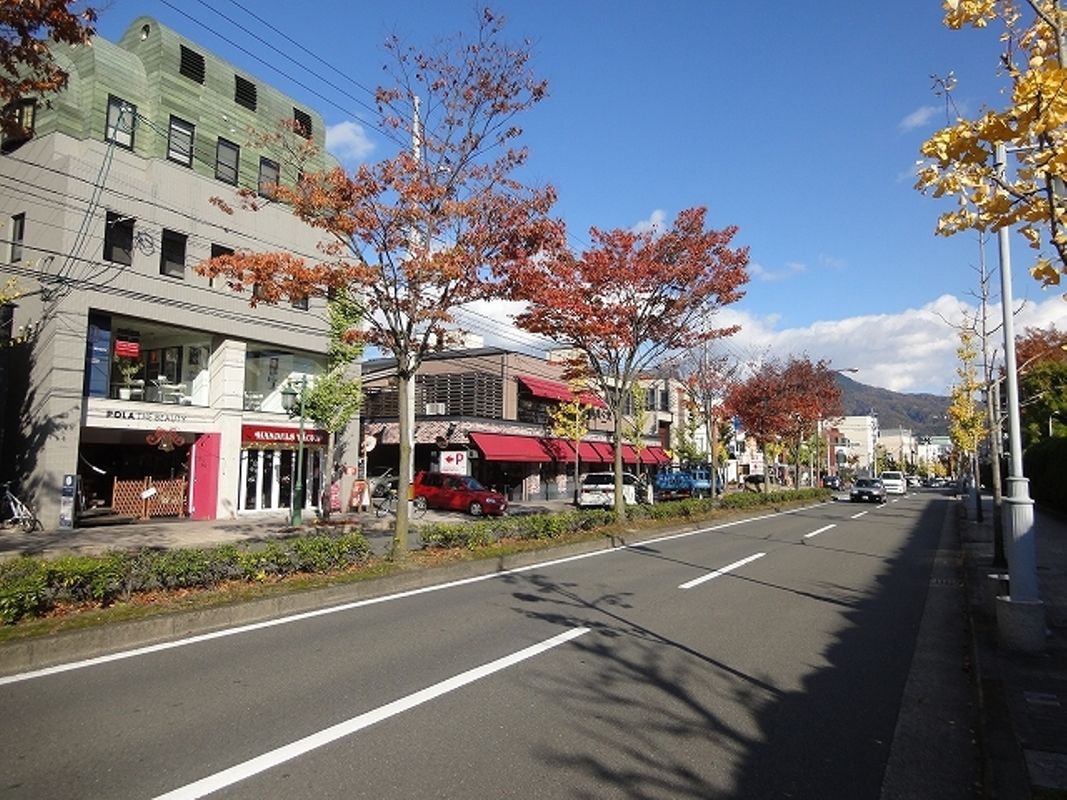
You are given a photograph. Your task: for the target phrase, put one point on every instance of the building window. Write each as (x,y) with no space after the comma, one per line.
(25,117)
(269,175)
(18,232)
(227,157)
(121,117)
(172,254)
(244,92)
(302,121)
(7,322)
(301,302)
(216,251)
(180,143)
(191,64)
(118,239)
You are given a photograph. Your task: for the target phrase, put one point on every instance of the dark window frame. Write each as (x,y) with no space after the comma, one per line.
(174,151)
(18,236)
(245,93)
(118,238)
(26,117)
(112,131)
(302,122)
(191,64)
(216,251)
(224,172)
(172,244)
(264,182)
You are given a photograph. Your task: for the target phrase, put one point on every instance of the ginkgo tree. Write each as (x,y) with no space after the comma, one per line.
(29,29)
(628,300)
(429,229)
(960,158)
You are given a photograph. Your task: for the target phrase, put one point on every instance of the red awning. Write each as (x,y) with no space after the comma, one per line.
(559,449)
(554,390)
(505,447)
(658,454)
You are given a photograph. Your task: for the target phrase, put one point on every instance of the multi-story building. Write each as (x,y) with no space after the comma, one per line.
(486,412)
(159,388)
(854,446)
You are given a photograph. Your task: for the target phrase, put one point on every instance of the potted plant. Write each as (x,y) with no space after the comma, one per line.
(128,369)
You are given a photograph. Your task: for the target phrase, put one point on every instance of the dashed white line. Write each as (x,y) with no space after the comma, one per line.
(823,529)
(718,572)
(857,516)
(254,766)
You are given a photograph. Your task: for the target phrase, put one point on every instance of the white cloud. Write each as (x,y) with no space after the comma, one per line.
(913,350)
(761,273)
(655,222)
(919,118)
(348,141)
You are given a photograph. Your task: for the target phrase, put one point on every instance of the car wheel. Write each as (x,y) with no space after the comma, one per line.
(475,509)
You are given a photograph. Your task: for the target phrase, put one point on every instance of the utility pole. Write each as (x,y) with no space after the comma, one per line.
(1020,614)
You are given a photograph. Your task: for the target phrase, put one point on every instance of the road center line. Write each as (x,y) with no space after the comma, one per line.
(823,529)
(718,572)
(857,516)
(254,766)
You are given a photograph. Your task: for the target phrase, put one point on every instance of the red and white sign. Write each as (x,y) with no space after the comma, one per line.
(125,349)
(453,462)
(267,435)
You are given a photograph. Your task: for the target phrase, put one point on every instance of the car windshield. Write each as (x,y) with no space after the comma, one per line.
(893,476)
(599,479)
(865,483)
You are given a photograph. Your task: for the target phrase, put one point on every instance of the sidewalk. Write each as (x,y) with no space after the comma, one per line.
(174,533)
(1023,698)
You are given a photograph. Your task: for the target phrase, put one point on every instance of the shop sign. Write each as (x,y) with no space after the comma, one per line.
(271,435)
(126,349)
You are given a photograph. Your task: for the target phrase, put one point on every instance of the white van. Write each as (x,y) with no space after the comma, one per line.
(894,482)
(598,490)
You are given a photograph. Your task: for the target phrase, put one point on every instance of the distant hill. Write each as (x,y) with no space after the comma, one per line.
(923,414)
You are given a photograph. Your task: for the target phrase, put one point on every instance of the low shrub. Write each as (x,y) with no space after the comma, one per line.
(34,586)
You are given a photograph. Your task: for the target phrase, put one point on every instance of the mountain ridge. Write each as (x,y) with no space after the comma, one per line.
(923,413)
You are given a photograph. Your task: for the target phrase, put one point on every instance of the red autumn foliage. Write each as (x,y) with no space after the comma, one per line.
(28,31)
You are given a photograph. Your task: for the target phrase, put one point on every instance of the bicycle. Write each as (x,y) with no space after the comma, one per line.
(388,504)
(20,513)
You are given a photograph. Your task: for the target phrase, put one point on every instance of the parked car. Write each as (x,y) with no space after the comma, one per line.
(458,493)
(867,490)
(598,490)
(831,482)
(893,482)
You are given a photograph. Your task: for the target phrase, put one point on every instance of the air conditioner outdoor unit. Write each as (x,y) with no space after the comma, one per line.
(435,409)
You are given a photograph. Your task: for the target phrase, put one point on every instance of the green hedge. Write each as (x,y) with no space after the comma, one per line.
(33,586)
(1043,464)
(474,535)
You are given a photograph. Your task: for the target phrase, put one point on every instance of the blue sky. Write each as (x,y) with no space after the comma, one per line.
(800,122)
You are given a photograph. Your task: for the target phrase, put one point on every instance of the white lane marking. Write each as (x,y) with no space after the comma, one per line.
(823,529)
(319,612)
(254,766)
(857,516)
(718,572)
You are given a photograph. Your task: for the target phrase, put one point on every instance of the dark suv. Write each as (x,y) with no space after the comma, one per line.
(831,482)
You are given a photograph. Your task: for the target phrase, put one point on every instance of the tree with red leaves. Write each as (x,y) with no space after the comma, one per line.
(628,300)
(785,401)
(430,229)
(28,30)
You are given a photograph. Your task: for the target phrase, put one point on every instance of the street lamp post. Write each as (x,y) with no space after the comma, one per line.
(289,402)
(1020,615)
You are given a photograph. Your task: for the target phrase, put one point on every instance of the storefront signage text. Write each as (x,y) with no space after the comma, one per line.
(268,435)
(146,416)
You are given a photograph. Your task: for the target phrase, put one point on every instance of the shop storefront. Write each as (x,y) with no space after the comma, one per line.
(268,467)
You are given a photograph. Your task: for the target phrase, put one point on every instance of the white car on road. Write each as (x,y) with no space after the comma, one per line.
(894,482)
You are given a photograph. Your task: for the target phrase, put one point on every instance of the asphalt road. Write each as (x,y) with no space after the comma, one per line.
(762,659)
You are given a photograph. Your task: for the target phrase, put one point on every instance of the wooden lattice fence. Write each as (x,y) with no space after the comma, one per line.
(170,498)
